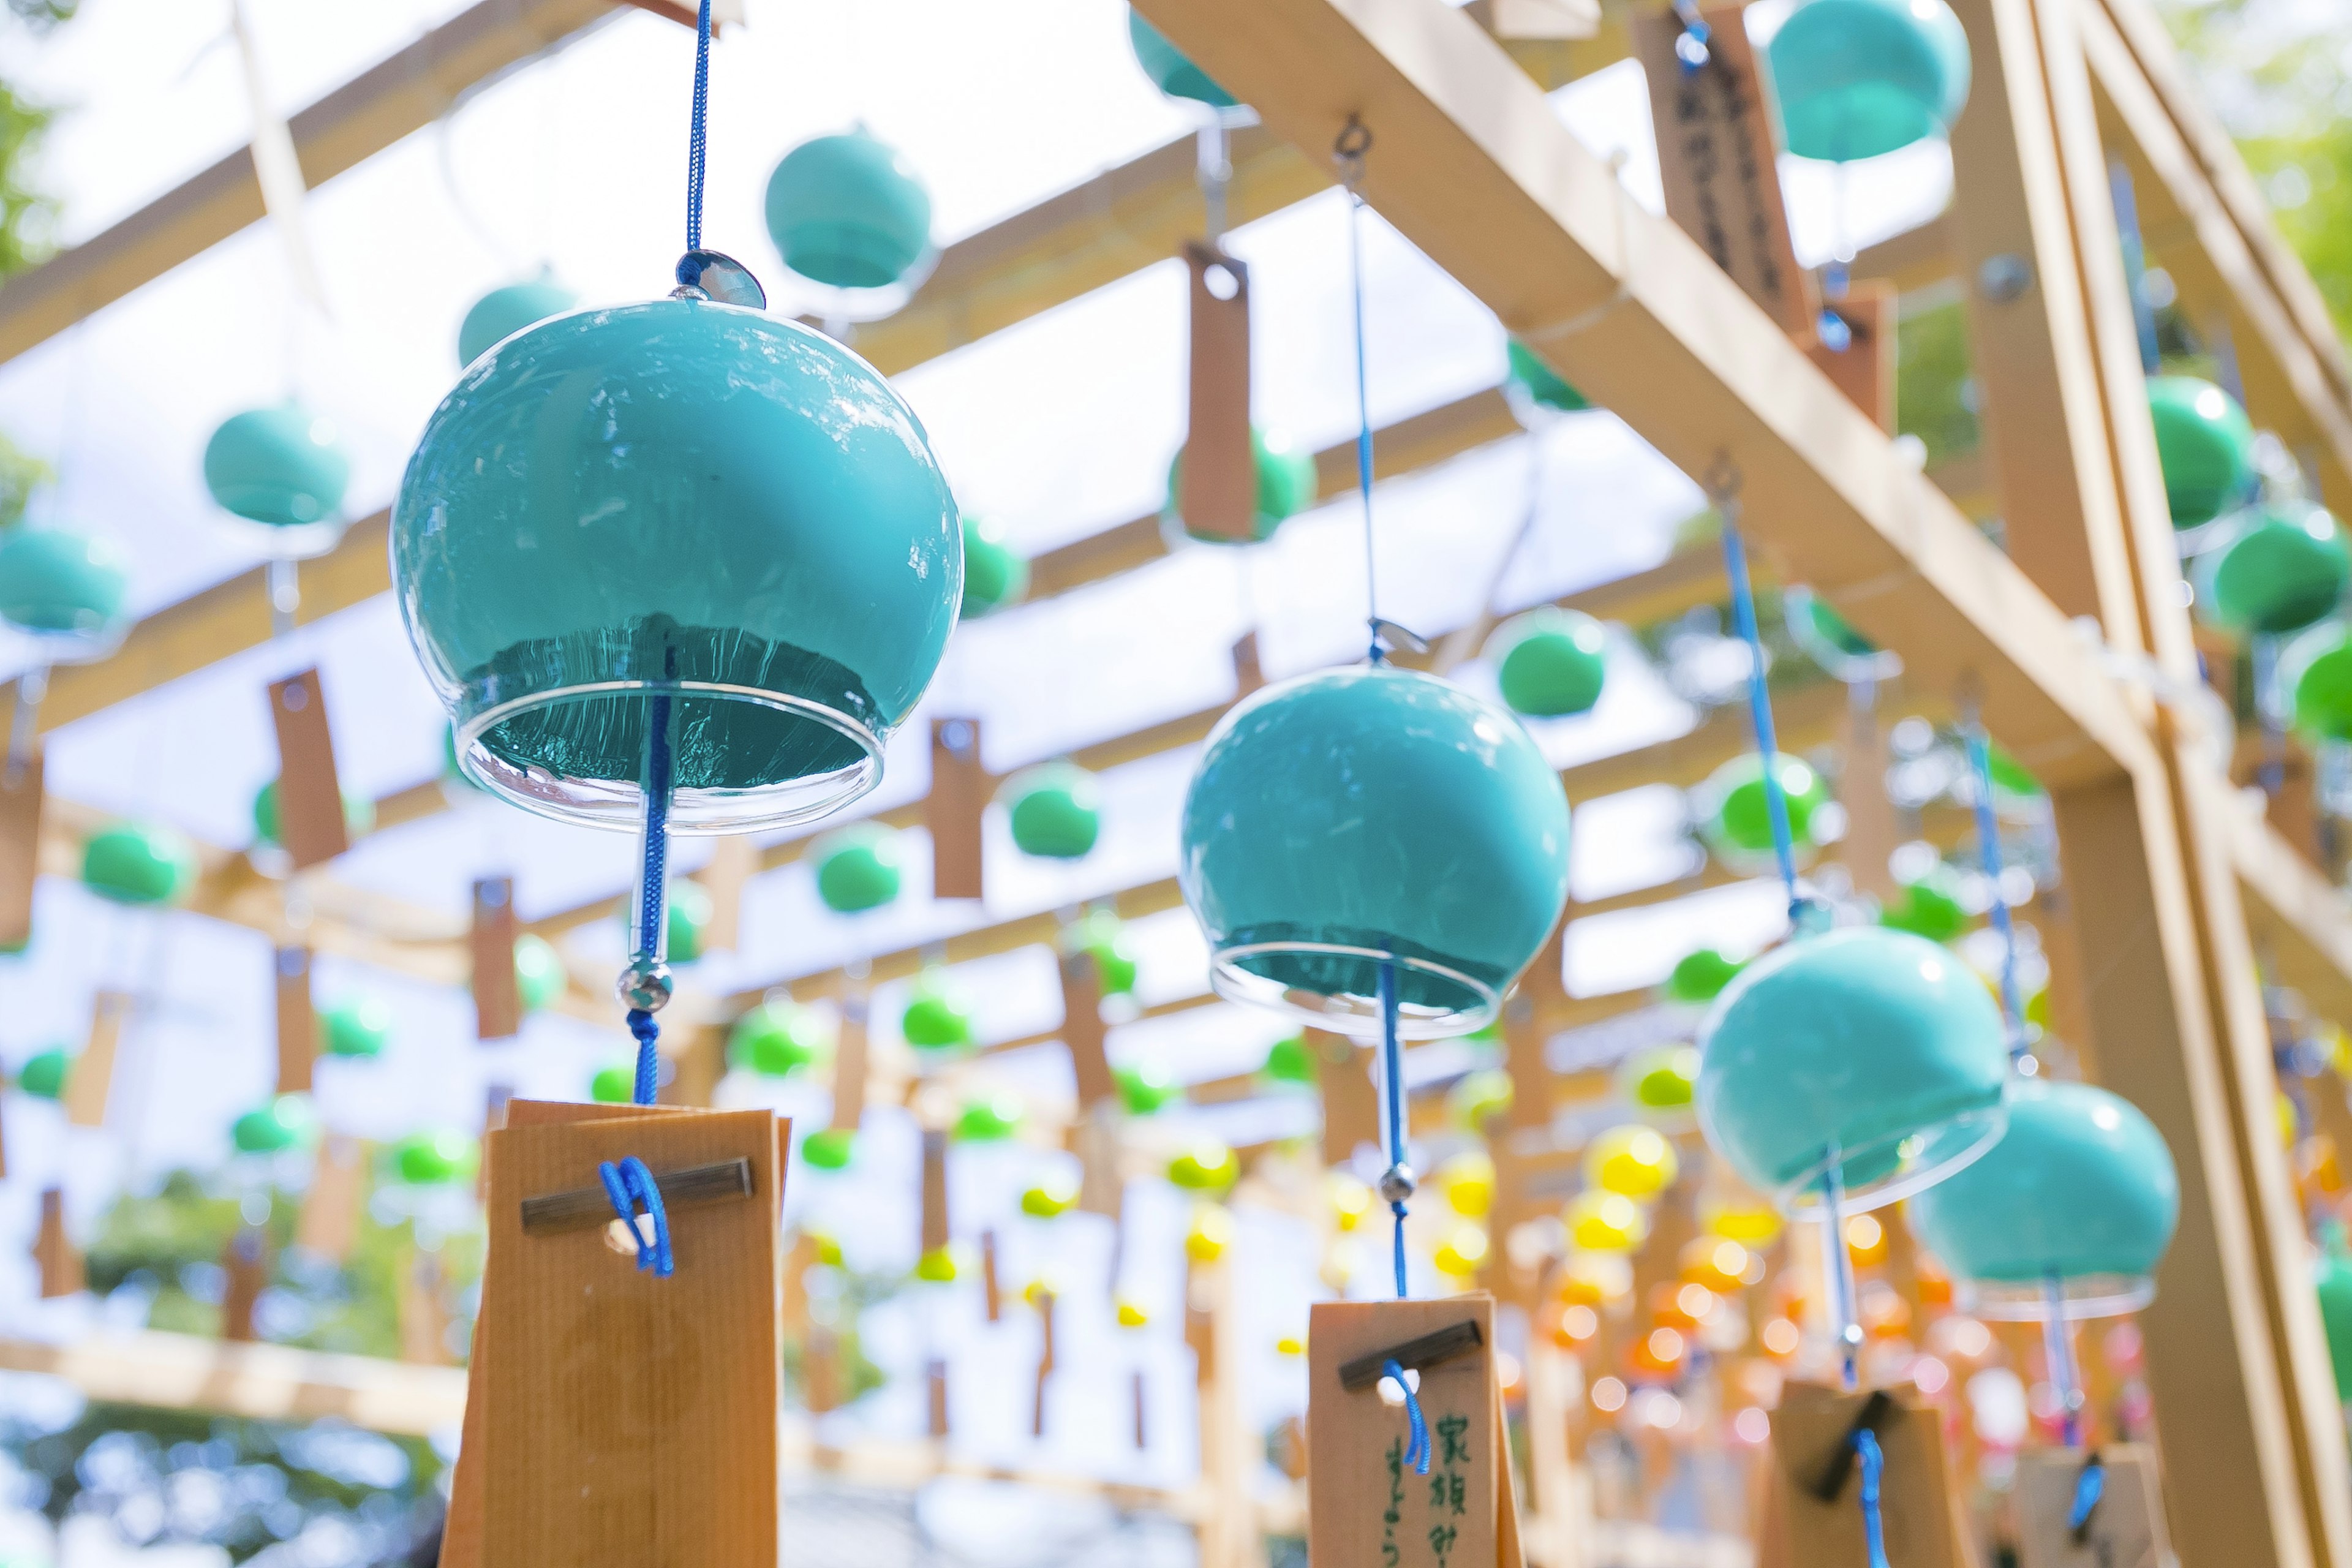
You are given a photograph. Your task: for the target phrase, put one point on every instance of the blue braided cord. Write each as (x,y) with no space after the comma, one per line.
(1873,1463)
(1417,1454)
(629,1183)
(698,134)
(2089,1487)
(1363,412)
(654,897)
(648,1033)
(1392,1086)
(1760,708)
(2012,1010)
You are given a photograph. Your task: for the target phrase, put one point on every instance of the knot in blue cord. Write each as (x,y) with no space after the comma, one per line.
(630,1185)
(1874,1464)
(648,1034)
(1417,1453)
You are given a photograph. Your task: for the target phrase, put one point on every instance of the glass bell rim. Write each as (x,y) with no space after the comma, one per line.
(287,541)
(1797,602)
(1797,1197)
(618,806)
(1356,1017)
(65,648)
(2080,1297)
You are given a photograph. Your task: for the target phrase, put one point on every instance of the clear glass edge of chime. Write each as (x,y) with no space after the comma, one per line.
(2083,1297)
(1800,1198)
(1357,1018)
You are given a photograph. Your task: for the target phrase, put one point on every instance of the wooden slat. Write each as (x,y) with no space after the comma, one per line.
(310,823)
(258,1381)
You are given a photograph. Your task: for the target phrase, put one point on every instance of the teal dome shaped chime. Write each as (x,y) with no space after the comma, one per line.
(677,567)
(849,212)
(65,591)
(2205,446)
(1549,663)
(1167,68)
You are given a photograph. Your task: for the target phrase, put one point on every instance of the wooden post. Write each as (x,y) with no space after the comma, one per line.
(1229,1453)
(991,1287)
(936,1379)
(1217,479)
(297,1021)
(498,1000)
(1560,1523)
(936,1231)
(91,1080)
(1523,1058)
(20,850)
(310,822)
(1044,1358)
(951,812)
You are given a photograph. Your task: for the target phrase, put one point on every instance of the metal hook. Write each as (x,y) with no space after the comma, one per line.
(1347,151)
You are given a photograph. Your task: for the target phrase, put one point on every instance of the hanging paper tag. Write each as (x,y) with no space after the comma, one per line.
(2116,1520)
(1216,485)
(849,1065)
(1249,674)
(245,1261)
(497,1001)
(1864,369)
(1367,1502)
(310,823)
(935,1190)
(631,1417)
(1718,158)
(91,1079)
(1082,1031)
(20,851)
(329,1222)
(1351,1108)
(734,861)
(1815,1519)
(953,810)
(53,1252)
(298,1023)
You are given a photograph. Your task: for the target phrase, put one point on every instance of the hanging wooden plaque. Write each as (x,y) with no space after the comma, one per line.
(1217,481)
(54,1253)
(1249,672)
(90,1081)
(1523,1058)
(734,861)
(329,1226)
(935,1190)
(245,1261)
(1351,1107)
(1814,1518)
(2125,1528)
(1718,158)
(424,1312)
(951,812)
(1864,369)
(1082,1031)
(1094,1138)
(849,1063)
(498,1000)
(297,1021)
(1872,831)
(20,850)
(310,822)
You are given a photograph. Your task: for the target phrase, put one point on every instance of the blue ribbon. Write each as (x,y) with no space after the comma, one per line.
(629,1184)
(1874,1464)
(1417,1453)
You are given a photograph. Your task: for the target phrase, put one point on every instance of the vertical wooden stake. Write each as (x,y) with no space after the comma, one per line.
(245,1259)
(823,1362)
(1044,1358)
(329,1221)
(1523,1058)
(20,851)
(54,1251)
(1094,1137)
(1142,1430)
(311,821)
(497,1001)
(1229,1452)
(91,1080)
(1559,1530)
(1217,479)
(298,1021)
(1083,1032)
(953,810)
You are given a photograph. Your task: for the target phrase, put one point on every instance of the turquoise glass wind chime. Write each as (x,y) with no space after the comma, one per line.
(675,567)
(1373,848)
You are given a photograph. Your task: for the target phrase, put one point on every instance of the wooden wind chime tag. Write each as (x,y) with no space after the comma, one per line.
(849,1065)
(329,1226)
(1249,672)
(1812,1513)
(423,1310)
(1351,1107)
(1719,159)
(936,1235)
(310,822)
(1217,479)
(627,1418)
(1094,1132)
(53,1252)
(734,861)
(1366,1503)
(1523,1059)
(952,811)
(91,1082)
(245,1261)
(2125,1527)
(1872,833)
(1864,369)
(498,999)
(20,850)
(298,1021)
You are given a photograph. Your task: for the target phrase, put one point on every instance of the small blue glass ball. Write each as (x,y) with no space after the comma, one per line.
(281,467)
(680,513)
(1358,812)
(62,586)
(1856,79)
(849,211)
(1167,68)
(1875,1042)
(502,312)
(2080,1191)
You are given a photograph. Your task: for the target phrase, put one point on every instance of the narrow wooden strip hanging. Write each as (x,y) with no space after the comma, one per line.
(245,1261)
(298,1021)
(1083,1032)
(734,861)
(53,1252)
(1217,479)
(424,1310)
(20,851)
(1044,1360)
(1523,1059)
(936,1376)
(1864,369)
(91,1080)
(951,812)
(329,1225)
(991,1286)
(1717,155)
(2125,1527)
(849,1063)
(310,822)
(1249,672)
(498,1000)
(1872,833)
(935,1190)
(1351,1107)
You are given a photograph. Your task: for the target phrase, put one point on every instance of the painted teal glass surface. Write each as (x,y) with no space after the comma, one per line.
(1286,487)
(1054,810)
(281,466)
(847,210)
(59,583)
(2205,445)
(683,497)
(139,863)
(1170,71)
(502,312)
(2331,1274)
(2282,569)
(1359,812)
(2319,671)
(1856,79)
(995,574)
(1860,1038)
(2081,1186)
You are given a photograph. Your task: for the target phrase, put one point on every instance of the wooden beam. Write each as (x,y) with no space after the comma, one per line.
(258,1382)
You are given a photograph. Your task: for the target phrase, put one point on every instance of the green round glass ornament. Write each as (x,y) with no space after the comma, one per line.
(44,1073)
(995,574)
(1055,809)
(1929,907)
(540,977)
(1549,663)
(1735,808)
(1207,1166)
(2279,570)
(63,588)
(434,1159)
(2205,445)
(285,1122)
(1699,976)
(2318,669)
(358,1027)
(689,917)
(1290,1059)
(139,863)
(1539,384)
(615,1084)
(504,311)
(776,1038)
(937,1019)
(858,868)
(989,1120)
(359,815)
(280,467)
(849,211)
(1170,71)
(1146,1089)
(1357,820)
(2080,1190)
(1856,79)
(830,1148)
(1876,1043)
(2332,1276)
(1478,1096)
(1102,937)
(683,509)
(1286,487)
